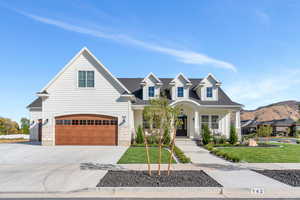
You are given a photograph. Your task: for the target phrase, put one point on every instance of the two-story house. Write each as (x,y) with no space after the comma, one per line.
(85,104)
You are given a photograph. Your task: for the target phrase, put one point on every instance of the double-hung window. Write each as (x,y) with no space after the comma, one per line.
(86,79)
(215,122)
(209,92)
(151,91)
(204,121)
(180,92)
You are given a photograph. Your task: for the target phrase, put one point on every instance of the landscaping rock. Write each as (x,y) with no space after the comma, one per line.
(290,177)
(142,179)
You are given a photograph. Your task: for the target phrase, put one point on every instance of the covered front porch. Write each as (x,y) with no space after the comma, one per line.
(194,116)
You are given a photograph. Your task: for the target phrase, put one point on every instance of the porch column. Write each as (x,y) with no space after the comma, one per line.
(196,123)
(238,124)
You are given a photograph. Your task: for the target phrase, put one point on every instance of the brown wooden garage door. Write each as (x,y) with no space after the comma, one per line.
(86,130)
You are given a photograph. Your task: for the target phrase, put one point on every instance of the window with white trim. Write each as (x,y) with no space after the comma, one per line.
(209,92)
(215,122)
(86,79)
(204,120)
(151,91)
(180,91)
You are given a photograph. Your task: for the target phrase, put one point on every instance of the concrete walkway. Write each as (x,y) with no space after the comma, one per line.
(230,175)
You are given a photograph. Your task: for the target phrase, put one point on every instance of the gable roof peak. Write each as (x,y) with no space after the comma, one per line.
(154,76)
(84,49)
(183,76)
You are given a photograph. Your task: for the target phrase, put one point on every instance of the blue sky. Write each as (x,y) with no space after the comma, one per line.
(252,46)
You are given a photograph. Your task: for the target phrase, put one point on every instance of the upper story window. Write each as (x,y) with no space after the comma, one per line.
(86,79)
(180,92)
(209,92)
(151,91)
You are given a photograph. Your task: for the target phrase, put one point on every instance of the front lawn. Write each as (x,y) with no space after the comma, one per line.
(288,153)
(138,155)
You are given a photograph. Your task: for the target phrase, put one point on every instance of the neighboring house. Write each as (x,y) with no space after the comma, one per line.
(285,127)
(84,104)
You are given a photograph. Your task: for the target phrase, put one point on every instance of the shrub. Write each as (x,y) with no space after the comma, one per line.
(152,139)
(166,137)
(233,137)
(297,133)
(181,156)
(298,141)
(206,135)
(139,135)
(222,140)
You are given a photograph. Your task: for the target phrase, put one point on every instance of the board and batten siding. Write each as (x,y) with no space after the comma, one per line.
(66,98)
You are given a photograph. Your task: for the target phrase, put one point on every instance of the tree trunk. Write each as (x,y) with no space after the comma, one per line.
(159,155)
(147,152)
(172,150)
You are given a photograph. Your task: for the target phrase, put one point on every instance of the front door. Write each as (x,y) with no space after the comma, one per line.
(182,129)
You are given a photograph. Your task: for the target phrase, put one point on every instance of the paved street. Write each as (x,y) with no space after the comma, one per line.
(34,168)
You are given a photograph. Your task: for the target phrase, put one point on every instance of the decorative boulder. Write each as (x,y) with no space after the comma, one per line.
(252,143)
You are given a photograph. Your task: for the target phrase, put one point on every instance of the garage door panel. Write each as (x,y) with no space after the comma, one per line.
(89,130)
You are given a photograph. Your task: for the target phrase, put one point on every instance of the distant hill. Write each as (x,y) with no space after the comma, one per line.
(275,111)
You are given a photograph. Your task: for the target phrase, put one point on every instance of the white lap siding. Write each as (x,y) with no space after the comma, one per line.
(66,98)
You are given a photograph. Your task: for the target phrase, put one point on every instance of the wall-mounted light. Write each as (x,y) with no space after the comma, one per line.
(124,118)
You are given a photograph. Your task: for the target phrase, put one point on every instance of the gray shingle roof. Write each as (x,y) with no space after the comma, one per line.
(37,103)
(133,85)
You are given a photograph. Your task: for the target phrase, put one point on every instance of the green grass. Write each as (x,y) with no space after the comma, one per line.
(138,155)
(288,153)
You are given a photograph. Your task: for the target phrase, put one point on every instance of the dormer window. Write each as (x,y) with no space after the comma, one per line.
(151,91)
(180,92)
(209,92)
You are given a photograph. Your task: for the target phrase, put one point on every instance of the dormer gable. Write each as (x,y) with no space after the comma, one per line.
(208,88)
(179,87)
(151,85)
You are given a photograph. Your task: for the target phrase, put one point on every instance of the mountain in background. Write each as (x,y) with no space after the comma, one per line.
(275,111)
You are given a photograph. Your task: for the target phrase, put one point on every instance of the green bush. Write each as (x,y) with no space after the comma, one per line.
(166,137)
(181,156)
(298,141)
(206,135)
(139,135)
(297,133)
(152,139)
(233,136)
(219,140)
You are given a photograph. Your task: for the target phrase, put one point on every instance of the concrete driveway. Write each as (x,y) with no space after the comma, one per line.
(33,168)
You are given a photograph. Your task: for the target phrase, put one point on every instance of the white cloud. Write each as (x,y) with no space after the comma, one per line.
(264,90)
(184,56)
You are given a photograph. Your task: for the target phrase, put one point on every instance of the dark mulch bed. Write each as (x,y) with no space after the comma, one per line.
(290,177)
(142,179)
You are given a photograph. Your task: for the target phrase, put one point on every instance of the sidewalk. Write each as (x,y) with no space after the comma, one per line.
(231,175)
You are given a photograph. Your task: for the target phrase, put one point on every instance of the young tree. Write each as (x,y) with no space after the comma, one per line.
(166,137)
(25,123)
(139,135)
(233,136)
(159,113)
(206,134)
(174,122)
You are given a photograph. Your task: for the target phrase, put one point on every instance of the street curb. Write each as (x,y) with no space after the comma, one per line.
(197,190)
